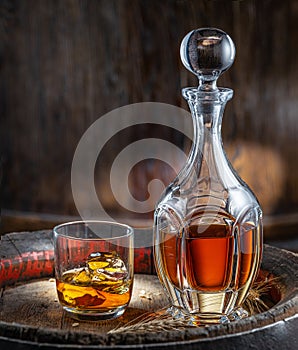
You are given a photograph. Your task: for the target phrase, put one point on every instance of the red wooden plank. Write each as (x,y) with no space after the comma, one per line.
(29,255)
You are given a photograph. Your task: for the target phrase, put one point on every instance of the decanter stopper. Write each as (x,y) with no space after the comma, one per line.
(207,53)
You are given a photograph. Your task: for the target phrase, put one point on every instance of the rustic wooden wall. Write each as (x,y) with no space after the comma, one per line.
(65,63)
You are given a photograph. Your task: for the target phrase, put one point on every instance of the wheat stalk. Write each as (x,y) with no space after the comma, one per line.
(254,303)
(162,320)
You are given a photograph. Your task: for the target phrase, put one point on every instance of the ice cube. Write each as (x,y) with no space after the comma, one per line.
(83,278)
(107,264)
(107,271)
(78,276)
(99,260)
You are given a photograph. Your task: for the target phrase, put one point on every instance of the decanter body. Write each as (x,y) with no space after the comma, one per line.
(208,223)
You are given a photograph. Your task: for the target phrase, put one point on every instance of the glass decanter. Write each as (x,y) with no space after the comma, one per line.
(208,223)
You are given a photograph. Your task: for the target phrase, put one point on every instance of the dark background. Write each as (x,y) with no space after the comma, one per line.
(63,64)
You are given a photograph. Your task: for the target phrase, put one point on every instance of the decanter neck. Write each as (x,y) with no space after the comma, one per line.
(207,157)
(207,107)
(207,110)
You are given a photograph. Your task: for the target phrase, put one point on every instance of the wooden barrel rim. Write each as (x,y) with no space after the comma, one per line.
(279,262)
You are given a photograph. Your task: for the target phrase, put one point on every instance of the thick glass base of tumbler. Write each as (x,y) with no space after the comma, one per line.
(206,319)
(94,315)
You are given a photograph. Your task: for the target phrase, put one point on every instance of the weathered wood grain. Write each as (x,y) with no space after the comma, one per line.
(35,304)
(30,317)
(63,64)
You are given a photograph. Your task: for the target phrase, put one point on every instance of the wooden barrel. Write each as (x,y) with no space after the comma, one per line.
(31,317)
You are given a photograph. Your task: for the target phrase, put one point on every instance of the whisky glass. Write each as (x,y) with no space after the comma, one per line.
(94,268)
